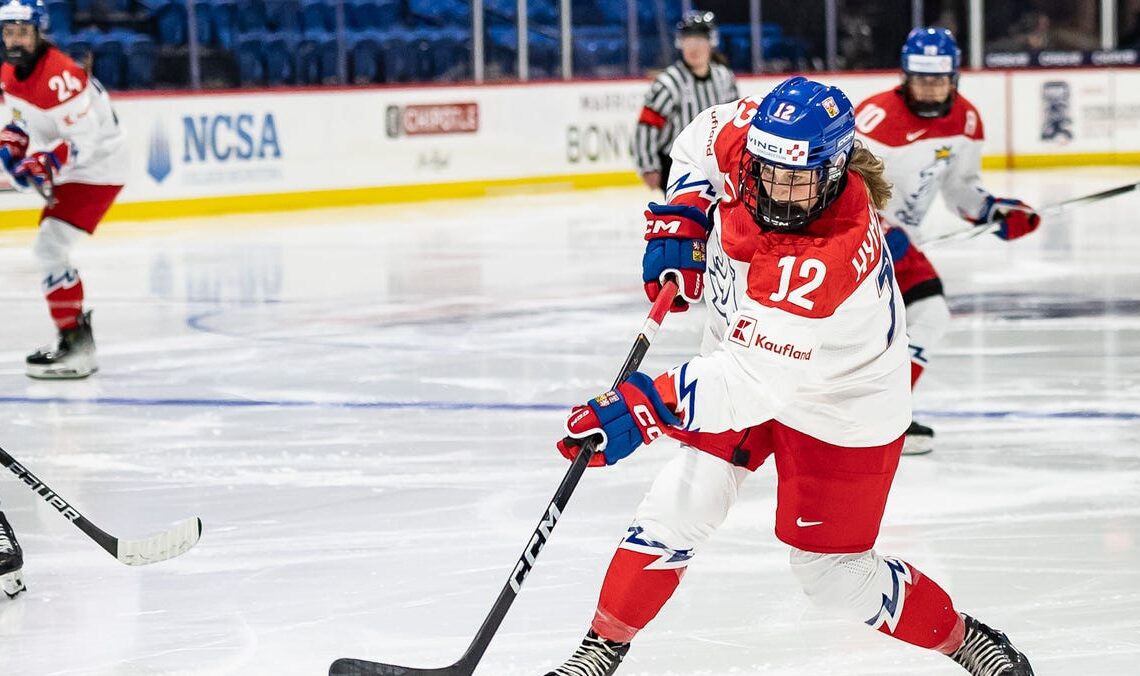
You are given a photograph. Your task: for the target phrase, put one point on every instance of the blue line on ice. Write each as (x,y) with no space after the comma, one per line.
(496,406)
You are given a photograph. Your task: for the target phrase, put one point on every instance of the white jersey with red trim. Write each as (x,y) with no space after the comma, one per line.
(66,112)
(806,328)
(924,156)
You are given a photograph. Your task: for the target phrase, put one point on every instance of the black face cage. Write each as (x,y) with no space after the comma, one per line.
(826,183)
(927,108)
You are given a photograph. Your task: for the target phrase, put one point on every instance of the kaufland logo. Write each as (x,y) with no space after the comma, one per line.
(777,148)
(745,332)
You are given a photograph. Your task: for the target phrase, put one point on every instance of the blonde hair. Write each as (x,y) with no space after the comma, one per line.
(870,169)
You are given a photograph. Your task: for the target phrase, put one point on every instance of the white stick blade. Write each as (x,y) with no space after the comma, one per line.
(166,545)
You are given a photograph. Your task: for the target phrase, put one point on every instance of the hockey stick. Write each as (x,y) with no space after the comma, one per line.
(1049,210)
(470,659)
(166,545)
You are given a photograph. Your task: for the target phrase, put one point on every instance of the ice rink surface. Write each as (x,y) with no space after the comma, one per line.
(361,405)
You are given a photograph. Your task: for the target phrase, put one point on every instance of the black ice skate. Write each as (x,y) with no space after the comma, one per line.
(595,657)
(73,357)
(11,560)
(919,440)
(987,652)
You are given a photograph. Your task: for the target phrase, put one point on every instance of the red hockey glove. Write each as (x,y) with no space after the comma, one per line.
(626,417)
(13,146)
(1015,218)
(675,237)
(39,167)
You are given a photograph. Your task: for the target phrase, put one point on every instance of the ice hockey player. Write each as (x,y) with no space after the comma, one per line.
(804,361)
(11,560)
(63,141)
(692,83)
(930,139)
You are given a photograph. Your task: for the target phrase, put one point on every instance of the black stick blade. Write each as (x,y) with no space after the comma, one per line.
(346,666)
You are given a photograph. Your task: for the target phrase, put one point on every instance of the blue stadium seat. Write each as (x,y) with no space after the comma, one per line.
(500,13)
(83,5)
(224,23)
(283,16)
(544,54)
(361,15)
(395,62)
(204,21)
(307,60)
(600,52)
(251,59)
(364,57)
(388,14)
(451,54)
(110,63)
(79,45)
(280,67)
(317,15)
(59,17)
(543,13)
(440,13)
(251,16)
(329,55)
(170,21)
(141,54)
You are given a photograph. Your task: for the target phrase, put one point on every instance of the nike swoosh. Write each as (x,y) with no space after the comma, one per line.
(913,135)
(804,524)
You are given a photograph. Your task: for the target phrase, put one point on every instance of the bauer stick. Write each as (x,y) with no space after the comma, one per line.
(1049,210)
(470,659)
(166,545)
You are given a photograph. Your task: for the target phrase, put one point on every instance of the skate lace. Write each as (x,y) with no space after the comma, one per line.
(594,657)
(6,546)
(984,655)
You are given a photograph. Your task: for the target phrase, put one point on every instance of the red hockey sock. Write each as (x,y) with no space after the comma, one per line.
(65,302)
(927,618)
(632,594)
(916,370)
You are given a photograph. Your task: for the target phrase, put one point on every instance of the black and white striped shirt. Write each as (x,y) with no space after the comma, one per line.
(675,99)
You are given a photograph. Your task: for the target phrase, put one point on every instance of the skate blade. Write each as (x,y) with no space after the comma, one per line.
(71,372)
(12,583)
(917,445)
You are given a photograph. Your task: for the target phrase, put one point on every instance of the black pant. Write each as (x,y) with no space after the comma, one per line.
(666,165)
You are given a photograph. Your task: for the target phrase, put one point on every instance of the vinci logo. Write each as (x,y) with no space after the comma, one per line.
(777,148)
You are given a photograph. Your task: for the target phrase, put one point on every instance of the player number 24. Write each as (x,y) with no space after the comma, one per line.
(811,269)
(65,85)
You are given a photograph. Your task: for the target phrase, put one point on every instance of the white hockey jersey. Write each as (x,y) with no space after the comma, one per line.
(924,156)
(805,328)
(69,114)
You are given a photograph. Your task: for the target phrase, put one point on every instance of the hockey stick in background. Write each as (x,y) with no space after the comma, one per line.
(470,659)
(166,545)
(1049,210)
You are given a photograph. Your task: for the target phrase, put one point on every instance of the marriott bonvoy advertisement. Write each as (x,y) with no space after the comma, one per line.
(238,143)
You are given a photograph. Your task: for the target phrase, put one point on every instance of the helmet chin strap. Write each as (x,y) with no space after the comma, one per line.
(930,109)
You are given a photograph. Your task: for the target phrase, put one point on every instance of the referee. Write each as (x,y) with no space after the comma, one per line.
(688,86)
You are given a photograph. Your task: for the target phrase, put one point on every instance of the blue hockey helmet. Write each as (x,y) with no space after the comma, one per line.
(701,24)
(930,52)
(795,157)
(25,11)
